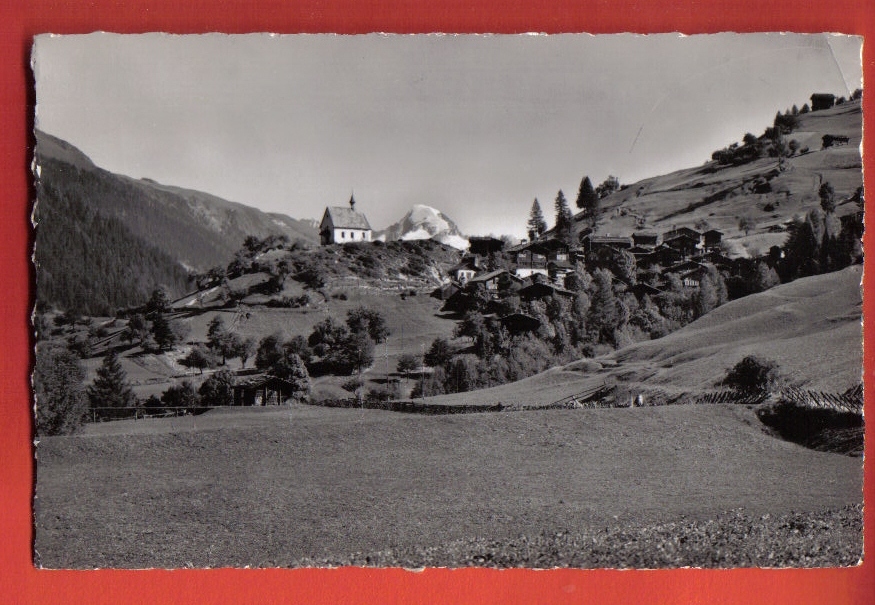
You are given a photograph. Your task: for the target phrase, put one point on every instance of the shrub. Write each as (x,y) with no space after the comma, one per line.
(407,363)
(218,389)
(439,353)
(181,395)
(752,375)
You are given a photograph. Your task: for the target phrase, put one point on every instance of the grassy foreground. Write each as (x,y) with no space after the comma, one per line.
(291,486)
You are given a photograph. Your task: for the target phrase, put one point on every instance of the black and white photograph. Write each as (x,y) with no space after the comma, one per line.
(433,300)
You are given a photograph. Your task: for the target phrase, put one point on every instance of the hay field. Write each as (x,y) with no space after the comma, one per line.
(279,486)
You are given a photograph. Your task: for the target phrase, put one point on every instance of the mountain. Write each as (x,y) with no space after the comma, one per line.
(424,222)
(104,240)
(197,229)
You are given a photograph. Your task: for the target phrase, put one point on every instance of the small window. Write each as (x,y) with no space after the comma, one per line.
(342,234)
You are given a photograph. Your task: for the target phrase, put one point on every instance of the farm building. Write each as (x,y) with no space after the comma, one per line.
(343,225)
(491,281)
(262,389)
(645,239)
(593,243)
(540,291)
(821,100)
(484,246)
(712,239)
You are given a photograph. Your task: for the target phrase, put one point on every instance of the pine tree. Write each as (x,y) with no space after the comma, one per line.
(603,316)
(586,196)
(110,388)
(588,200)
(564,219)
(536,225)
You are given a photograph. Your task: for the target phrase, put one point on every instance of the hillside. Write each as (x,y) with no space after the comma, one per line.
(187,230)
(714,196)
(811,327)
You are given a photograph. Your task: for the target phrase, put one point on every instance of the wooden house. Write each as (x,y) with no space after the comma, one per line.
(491,281)
(484,246)
(344,225)
(594,243)
(646,239)
(520,323)
(540,291)
(465,270)
(262,389)
(712,239)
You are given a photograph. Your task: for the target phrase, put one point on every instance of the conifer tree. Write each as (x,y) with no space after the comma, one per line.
(587,198)
(60,399)
(536,225)
(564,219)
(110,388)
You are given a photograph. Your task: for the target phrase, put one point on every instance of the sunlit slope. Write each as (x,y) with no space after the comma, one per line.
(810,327)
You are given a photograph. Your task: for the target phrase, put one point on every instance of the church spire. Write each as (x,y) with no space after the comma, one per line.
(352,201)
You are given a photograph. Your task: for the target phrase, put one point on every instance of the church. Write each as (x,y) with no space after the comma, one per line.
(342,225)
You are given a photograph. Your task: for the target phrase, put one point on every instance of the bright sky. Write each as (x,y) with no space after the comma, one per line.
(476,126)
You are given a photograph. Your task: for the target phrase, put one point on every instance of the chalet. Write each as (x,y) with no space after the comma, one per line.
(465,270)
(491,281)
(520,323)
(558,270)
(662,255)
(822,101)
(593,243)
(646,239)
(262,389)
(536,258)
(690,273)
(540,291)
(344,225)
(484,246)
(686,241)
(528,263)
(712,239)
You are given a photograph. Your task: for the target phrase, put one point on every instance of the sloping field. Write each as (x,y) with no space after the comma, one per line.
(270,487)
(811,327)
(713,196)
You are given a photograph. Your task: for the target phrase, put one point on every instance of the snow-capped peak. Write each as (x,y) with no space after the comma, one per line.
(425,222)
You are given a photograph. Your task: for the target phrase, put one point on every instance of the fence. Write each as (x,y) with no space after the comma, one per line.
(103,414)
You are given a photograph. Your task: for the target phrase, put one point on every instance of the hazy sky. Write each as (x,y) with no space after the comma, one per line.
(477,126)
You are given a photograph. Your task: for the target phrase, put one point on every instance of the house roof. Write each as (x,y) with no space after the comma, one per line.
(347,218)
(487,276)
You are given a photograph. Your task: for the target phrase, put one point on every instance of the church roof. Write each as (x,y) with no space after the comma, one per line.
(347,218)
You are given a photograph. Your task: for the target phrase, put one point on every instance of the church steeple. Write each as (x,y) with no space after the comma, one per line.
(352,202)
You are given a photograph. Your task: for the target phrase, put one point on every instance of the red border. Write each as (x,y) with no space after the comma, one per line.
(20,583)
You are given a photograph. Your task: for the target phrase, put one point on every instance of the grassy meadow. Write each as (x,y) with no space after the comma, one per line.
(303,484)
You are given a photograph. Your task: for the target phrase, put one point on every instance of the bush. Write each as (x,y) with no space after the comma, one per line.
(218,389)
(752,375)
(181,395)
